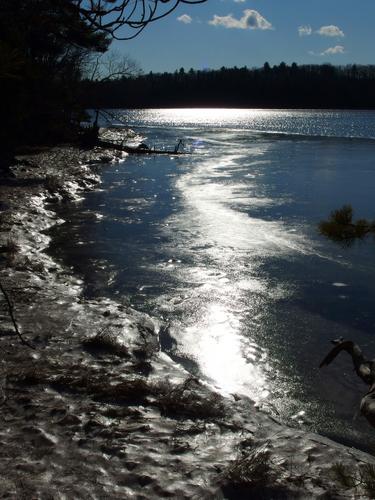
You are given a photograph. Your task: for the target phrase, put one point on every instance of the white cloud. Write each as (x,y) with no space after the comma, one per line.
(240,1)
(330,30)
(251,19)
(338,49)
(185,18)
(304,30)
(331,51)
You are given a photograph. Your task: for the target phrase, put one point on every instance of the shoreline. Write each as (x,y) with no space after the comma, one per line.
(96,404)
(253,108)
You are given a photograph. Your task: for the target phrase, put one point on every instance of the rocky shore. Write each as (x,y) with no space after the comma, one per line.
(93,409)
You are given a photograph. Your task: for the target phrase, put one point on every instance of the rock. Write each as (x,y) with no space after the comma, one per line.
(144,480)
(105,158)
(92,425)
(131,465)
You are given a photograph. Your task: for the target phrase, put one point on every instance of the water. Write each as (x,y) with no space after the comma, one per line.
(223,246)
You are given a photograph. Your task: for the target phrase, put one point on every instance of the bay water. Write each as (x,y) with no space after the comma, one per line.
(223,246)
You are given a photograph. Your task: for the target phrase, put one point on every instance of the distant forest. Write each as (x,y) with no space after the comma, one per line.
(282,86)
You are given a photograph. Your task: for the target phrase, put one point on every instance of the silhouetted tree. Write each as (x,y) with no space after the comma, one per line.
(44,43)
(45,46)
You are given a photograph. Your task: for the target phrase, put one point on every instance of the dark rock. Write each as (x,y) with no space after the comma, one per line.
(131,465)
(145,480)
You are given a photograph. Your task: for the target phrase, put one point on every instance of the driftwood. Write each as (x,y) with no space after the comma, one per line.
(138,150)
(90,137)
(12,318)
(364,368)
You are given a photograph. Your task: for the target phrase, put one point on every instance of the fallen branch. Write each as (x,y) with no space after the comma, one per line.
(4,392)
(364,368)
(13,319)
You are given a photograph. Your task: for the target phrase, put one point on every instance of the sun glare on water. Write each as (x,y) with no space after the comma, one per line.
(207,116)
(221,353)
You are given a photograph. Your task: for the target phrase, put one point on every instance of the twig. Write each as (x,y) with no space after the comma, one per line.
(13,319)
(4,390)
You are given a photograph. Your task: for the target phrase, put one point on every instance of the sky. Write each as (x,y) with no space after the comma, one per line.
(250,32)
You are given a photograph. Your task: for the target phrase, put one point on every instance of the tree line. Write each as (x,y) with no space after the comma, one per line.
(281,86)
(46,48)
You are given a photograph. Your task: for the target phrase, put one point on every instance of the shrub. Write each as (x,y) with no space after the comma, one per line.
(250,469)
(183,401)
(343,215)
(340,227)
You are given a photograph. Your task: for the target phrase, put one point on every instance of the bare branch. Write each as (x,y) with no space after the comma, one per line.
(364,368)
(109,66)
(128,16)
(13,319)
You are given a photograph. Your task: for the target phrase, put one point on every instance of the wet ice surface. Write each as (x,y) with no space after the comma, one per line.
(96,411)
(222,247)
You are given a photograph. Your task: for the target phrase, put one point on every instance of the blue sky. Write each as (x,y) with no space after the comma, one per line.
(249,32)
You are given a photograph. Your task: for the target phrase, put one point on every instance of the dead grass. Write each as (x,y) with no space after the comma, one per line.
(184,400)
(129,390)
(249,469)
(187,399)
(362,478)
(27,376)
(4,219)
(33,265)
(25,263)
(11,250)
(11,247)
(93,383)
(343,474)
(53,183)
(367,475)
(253,474)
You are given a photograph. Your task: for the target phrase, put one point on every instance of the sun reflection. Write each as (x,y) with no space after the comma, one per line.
(210,204)
(225,306)
(218,117)
(206,116)
(221,354)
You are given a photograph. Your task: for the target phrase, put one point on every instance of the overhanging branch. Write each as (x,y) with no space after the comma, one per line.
(128,16)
